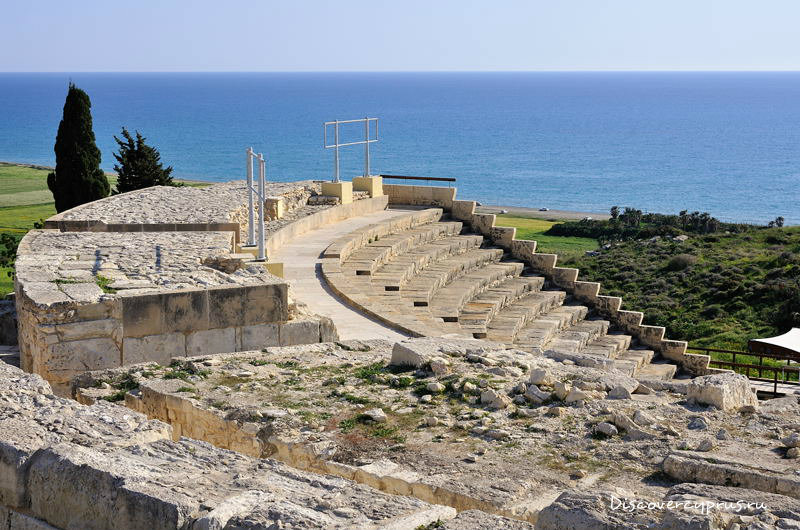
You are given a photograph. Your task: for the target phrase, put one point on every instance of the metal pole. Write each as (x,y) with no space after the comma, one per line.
(366,146)
(262,170)
(251,228)
(336,152)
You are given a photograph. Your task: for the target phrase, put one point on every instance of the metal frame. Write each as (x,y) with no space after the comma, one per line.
(336,145)
(261,193)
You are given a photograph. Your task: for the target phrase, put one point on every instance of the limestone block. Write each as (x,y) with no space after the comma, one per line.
(543,262)
(728,391)
(265,303)
(327,330)
(503,235)
(221,340)
(18,521)
(414,354)
(66,359)
(522,249)
(298,331)
(260,336)
(226,307)
(373,185)
(342,190)
(463,210)
(483,223)
(87,329)
(82,292)
(186,310)
(443,197)
(399,194)
(153,348)
(75,487)
(142,315)
(275,207)
(651,336)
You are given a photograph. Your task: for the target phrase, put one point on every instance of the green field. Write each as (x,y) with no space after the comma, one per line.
(529,228)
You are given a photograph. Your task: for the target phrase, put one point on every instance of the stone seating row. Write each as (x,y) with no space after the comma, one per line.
(431,280)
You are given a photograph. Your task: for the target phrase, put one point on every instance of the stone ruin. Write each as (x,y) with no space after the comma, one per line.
(192,391)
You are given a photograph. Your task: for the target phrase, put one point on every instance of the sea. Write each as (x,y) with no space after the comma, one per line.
(727,142)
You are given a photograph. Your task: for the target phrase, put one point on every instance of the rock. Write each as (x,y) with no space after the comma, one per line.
(698,423)
(642,418)
(555,411)
(413,353)
(793,440)
(520,388)
(576,394)
(606,428)
(619,392)
(431,421)
(793,452)
(427,398)
(561,390)
(632,430)
(376,415)
(494,399)
(539,377)
(469,388)
(440,367)
(643,389)
(706,445)
(435,386)
(729,392)
(478,520)
(579,510)
(498,434)
(535,395)
(722,434)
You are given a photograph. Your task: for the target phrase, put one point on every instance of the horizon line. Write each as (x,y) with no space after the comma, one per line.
(391,71)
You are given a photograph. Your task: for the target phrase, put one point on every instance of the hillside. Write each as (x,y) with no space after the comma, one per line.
(716,290)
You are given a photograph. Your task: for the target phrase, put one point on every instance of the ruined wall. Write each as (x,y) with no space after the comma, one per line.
(420,195)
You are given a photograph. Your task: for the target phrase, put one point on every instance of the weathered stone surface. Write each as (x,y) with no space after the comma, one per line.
(478,520)
(579,510)
(211,341)
(260,336)
(156,348)
(13,520)
(728,391)
(299,331)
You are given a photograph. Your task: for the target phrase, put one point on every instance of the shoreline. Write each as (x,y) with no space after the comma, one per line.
(534,213)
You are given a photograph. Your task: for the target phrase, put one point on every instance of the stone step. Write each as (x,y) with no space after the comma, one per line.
(420,289)
(370,257)
(507,323)
(660,371)
(636,359)
(401,268)
(478,312)
(538,332)
(609,345)
(575,338)
(451,298)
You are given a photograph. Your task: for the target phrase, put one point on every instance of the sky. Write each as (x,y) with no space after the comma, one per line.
(398,35)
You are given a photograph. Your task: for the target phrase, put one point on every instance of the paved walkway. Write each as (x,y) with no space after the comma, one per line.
(301,266)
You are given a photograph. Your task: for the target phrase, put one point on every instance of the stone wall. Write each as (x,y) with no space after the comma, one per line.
(420,195)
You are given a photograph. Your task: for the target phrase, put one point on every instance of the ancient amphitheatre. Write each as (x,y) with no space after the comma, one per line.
(400,362)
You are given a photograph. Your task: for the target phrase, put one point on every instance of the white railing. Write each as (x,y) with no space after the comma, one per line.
(252,157)
(336,145)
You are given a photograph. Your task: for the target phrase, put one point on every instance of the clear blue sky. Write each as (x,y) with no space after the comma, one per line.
(290,35)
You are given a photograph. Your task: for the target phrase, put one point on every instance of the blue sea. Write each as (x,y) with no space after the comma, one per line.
(726,143)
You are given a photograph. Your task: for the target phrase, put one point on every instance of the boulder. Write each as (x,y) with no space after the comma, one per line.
(539,377)
(579,510)
(535,395)
(729,392)
(494,399)
(561,390)
(606,428)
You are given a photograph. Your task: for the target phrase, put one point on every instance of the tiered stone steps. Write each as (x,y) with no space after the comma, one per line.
(432,280)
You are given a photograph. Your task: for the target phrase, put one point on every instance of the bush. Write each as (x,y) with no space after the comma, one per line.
(681,262)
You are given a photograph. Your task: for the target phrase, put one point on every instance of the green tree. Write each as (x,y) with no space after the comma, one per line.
(139,165)
(78,178)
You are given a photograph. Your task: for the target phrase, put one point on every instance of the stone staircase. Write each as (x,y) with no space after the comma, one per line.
(429,277)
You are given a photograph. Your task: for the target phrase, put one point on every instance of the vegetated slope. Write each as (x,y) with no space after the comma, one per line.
(716,290)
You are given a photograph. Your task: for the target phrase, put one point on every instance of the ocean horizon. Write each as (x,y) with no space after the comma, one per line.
(723,142)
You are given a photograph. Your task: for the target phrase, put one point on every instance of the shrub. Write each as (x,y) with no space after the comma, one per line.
(681,262)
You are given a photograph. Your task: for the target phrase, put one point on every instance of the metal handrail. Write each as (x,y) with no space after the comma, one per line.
(406,177)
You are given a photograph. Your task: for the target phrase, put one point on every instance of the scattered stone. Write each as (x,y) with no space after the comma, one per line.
(539,377)
(426,398)
(469,388)
(619,392)
(435,386)
(642,418)
(793,440)
(535,395)
(431,421)
(606,428)
(729,392)
(520,388)
(555,411)
(793,452)
(576,394)
(722,434)
(698,423)
(440,367)
(376,415)
(494,399)
(561,390)
(706,445)
(643,389)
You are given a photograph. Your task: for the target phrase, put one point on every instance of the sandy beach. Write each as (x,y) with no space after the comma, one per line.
(534,213)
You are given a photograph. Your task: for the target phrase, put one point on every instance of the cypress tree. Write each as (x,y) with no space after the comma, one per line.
(139,164)
(78,178)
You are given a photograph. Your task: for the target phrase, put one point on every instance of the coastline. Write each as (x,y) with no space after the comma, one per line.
(534,213)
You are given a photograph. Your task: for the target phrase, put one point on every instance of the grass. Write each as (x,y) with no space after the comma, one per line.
(529,228)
